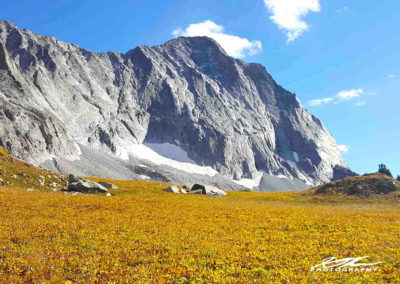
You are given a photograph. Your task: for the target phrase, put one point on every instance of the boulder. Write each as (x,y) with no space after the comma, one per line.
(54,184)
(196,187)
(214,192)
(172,189)
(73,179)
(86,186)
(108,185)
(197,191)
(208,190)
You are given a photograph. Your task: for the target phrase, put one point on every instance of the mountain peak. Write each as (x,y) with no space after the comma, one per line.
(8,24)
(200,44)
(188,92)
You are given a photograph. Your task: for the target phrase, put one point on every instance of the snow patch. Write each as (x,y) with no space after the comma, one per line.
(143,177)
(292,164)
(170,151)
(296,156)
(251,183)
(161,154)
(281,175)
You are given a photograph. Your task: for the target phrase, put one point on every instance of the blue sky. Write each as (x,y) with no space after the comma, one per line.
(340,57)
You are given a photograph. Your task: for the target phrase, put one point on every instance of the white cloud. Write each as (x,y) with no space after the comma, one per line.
(233,45)
(392,76)
(341,96)
(318,102)
(288,14)
(343,148)
(349,94)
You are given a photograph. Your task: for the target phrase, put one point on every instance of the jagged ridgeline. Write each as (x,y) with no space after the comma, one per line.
(106,114)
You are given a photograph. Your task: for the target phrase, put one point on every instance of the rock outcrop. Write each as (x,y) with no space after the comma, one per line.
(78,184)
(365,185)
(224,113)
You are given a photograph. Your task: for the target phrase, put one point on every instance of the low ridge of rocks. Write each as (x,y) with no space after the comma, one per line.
(365,185)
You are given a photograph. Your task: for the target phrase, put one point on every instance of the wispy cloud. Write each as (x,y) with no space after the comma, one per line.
(392,76)
(341,96)
(350,94)
(233,45)
(288,14)
(360,103)
(342,9)
(343,148)
(318,102)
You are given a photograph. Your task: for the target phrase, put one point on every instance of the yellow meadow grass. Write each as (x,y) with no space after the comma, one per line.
(145,235)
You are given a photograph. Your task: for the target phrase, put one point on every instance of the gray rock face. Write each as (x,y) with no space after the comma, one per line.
(225,113)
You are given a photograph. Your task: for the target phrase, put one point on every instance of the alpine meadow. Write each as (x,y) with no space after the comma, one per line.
(176,141)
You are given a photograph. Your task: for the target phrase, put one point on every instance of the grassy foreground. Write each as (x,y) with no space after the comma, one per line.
(145,235)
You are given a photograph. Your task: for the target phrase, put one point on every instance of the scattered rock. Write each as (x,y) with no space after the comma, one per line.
(214,192)
(86,186)
(54,184)
(108,185)
(73,179)
(197,189)
(108,194)
(209,190)
(173,189)
(30,189)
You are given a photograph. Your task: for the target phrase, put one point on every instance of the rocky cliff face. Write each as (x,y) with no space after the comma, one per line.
(223,112)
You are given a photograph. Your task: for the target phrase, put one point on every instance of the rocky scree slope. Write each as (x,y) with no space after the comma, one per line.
(56,98)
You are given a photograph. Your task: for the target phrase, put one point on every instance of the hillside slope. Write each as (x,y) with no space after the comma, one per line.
(365,185)
(17,173)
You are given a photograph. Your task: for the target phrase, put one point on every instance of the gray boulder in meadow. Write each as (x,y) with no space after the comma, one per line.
(108,185)
(78,184)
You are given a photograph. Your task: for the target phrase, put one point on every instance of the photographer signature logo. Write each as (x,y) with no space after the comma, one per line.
(349,264)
